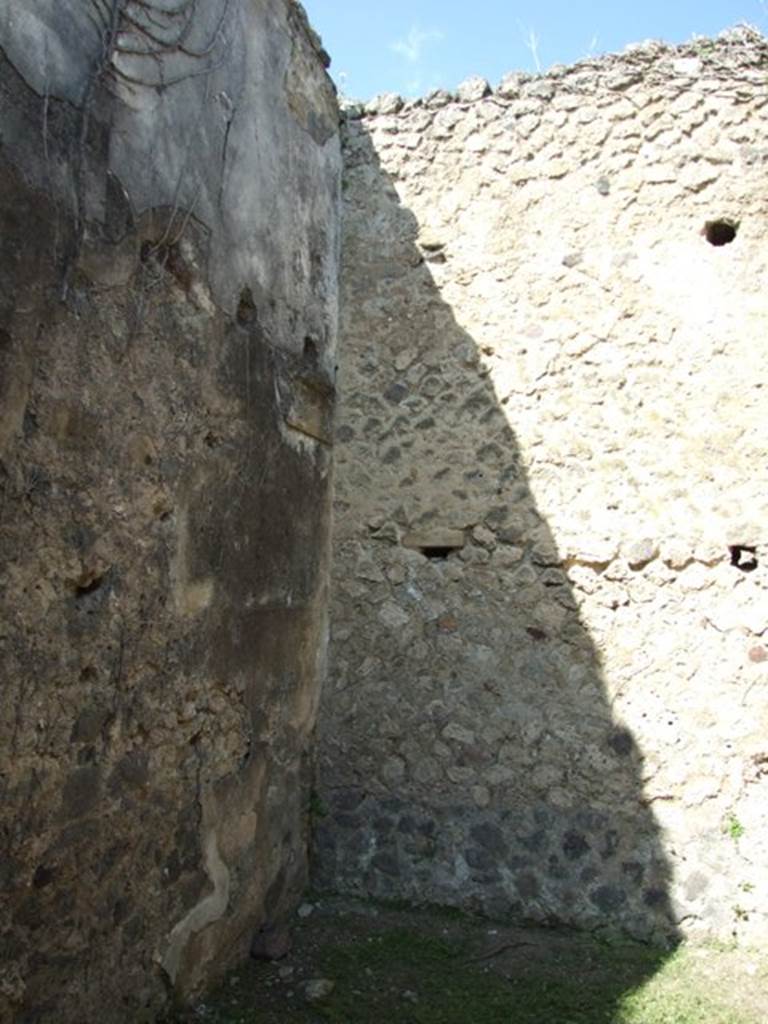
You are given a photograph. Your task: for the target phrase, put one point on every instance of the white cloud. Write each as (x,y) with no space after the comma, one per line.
(412,46)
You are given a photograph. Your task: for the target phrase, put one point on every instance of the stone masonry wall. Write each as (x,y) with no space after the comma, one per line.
(168,293)
(550,649)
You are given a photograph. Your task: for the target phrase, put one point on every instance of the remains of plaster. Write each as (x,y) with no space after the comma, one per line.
(211,908)
(168,245)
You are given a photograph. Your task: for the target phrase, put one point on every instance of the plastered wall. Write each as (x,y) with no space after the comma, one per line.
(168,268)
(549,657)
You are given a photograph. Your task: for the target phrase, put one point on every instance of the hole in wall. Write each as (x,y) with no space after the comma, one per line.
(167,255)
(246,308)
(438,554)
(720,232)
(87,587)
(744,557)
(622,743)
(435,543)
(43,876)
(310,349)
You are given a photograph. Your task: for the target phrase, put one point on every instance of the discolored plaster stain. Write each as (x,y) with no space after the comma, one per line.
(210,909)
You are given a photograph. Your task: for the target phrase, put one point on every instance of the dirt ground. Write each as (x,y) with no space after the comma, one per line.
(352,962)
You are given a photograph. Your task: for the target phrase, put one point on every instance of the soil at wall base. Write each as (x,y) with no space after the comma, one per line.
(354,962)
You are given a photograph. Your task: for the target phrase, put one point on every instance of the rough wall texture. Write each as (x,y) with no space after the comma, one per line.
(168,257)
(549,659)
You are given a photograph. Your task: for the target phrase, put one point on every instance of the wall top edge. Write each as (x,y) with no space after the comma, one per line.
(302,22)
(740,50)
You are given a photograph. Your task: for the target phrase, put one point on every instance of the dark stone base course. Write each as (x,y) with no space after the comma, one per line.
(542,864)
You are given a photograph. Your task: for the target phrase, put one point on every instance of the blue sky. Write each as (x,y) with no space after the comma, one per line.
(411,46)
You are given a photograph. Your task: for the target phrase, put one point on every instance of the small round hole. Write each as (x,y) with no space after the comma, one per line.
(720,232)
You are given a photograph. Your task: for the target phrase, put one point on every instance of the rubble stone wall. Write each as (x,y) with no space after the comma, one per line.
(550,624)
(168,294)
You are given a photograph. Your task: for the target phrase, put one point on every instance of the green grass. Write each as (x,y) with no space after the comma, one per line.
(451,991)
(404,975)
(734,828)
(402,961)
(674,996)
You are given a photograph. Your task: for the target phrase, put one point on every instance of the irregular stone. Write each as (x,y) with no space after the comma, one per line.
(596,551)
(688,66)
(489,837)
(454,731)
(545,553)
(540,89)
(393,771)
(510,85)
(438,98)
(351,109)
(696,577)
(396,392)
(272,943)
(482,535)
(676,553)
(481,795)
(396,574)
(573,259)
(473,89)
(438,538)
(639,553)
(575,846)
(393,616)
(318,989)
(622,79)
(369,571)
(385,103)
(608,898)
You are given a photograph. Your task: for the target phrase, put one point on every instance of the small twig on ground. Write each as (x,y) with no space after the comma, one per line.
(502,947)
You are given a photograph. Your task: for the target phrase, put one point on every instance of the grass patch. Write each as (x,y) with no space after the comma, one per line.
(676,995)
(391,969)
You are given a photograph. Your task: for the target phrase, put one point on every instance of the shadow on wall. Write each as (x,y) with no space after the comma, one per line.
(468,754)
